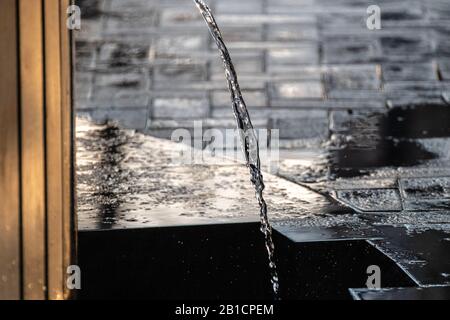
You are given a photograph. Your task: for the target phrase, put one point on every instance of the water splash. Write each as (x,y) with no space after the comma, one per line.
(248,137)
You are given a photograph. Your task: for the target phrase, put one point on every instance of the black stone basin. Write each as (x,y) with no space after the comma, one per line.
(223,262)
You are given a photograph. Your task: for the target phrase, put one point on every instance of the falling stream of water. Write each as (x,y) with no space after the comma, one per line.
(248,137)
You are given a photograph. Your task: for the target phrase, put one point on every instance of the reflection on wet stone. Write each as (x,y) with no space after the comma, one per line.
(371,200)
(373,140)
(105,176)
(426,193)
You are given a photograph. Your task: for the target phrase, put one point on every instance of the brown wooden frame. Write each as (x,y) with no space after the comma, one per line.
(37,215)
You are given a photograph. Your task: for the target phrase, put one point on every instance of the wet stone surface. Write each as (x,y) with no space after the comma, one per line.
(371,200)
(127,179)
(364,118)
(426,193)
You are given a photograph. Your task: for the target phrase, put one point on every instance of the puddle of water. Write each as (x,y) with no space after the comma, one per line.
(388,140)
(249,139)
(417,122)
(353,162)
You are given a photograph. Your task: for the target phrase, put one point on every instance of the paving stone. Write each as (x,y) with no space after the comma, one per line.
(252,98)
(338,17)
(295,90)
(113,55)
(352,77)
(262,113)
(438,9)
(341,51)
(350,121)
(259,19)
(132,6)
(84,48)
(176,43)
(308,124)
(405,100)
(359,129)
(426,193)
(233,6)
(178,108)
(294,72)
(181,72)
(90,9)
(303,3)
(398,14)
(137,79)
(129,25)
(342,33)
(309,7)
(167,92)
(409,72)
(308,54)
(414,92)
(243,33)
(206,123)
(347,104)
(182,16)
(417,44)
(260,45)
(248,64)
(106,52)
(165,128)
(109,97)
(371,200)
(359,95)
(91,30)
(130,118)
(85,56)
(397,11)
(203,85)
(292,32)
(365,183)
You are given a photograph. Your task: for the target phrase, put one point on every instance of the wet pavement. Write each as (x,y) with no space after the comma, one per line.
(361,113)
(363,119)
(130,180)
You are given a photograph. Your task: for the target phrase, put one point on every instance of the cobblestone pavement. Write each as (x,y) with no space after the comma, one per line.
(310,68)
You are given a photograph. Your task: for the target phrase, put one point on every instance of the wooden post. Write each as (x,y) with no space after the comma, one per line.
(10,248)
(37,220)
